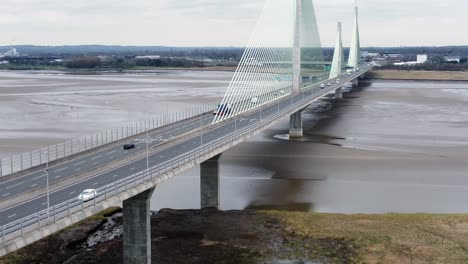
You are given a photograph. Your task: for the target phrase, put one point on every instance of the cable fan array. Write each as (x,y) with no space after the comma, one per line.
(264,73)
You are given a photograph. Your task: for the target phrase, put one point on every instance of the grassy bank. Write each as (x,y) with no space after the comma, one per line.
(254,237)
(418,75)
(390,238)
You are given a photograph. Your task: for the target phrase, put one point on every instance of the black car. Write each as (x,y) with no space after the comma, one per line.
(129,146)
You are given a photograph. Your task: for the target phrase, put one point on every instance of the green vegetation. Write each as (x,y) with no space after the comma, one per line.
(418,75)
(25,67)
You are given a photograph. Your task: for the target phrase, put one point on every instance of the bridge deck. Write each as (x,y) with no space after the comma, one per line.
(185,147)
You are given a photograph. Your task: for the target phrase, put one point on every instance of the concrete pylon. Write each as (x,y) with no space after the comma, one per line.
(339,93)
(295,125)
(355,48)
(209,182)
(338,56)
(137,228)
(296,83)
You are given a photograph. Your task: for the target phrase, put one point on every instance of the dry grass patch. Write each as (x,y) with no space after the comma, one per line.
(418,75)
(390,238)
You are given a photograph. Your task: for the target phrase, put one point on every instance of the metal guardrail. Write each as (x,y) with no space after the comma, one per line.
(67,208)
(27,160)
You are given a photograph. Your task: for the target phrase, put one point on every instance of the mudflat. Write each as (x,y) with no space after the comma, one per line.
(259,237)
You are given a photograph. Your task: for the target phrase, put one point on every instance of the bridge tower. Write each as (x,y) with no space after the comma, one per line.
(295,121)
(338,56)
(355,48)
(306,46)
(338,62)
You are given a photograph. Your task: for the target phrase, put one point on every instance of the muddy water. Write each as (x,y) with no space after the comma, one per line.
(40,108)
(387,147)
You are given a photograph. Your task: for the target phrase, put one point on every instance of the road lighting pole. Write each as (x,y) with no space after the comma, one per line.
(147,153)
(47,183)
(201,131)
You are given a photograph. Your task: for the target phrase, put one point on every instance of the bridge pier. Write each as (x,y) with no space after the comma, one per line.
(137,228)
(355,83)
(339,93)
(209,182)
(295,125)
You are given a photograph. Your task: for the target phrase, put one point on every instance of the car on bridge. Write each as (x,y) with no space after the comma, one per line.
(223,109)
(129,146)
(87,195)
(329,83)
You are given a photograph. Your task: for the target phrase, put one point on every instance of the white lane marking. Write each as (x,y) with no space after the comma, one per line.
(72,192)
(110,152)
(38,177)
(6,194)
(11,216)
(14,185)
(44,203)
(132,168)
(97,157)
(95,183)
(61,169)
(76,164)
(115,176)
(33,185)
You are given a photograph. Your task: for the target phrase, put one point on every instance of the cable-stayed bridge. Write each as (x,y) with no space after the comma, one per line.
(278,76)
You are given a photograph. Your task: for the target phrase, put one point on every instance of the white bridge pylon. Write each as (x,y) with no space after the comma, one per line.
(338,56)
(265,71)
(355,48)
(272,66)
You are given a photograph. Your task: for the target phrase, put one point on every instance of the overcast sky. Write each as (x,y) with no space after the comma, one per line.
(222,22)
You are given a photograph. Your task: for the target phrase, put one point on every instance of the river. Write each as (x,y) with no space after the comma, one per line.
(388,146)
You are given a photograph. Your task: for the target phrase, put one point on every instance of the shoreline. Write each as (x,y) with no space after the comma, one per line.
(257,237)
(418,75)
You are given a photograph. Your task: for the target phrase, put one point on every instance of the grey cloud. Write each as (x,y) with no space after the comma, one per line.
(221,22)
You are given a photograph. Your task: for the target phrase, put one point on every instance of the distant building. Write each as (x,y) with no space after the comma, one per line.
(12,52)
(148,57)
(456,59)
(393,55)
(422,58)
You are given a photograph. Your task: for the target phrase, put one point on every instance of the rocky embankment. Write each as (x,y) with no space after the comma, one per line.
(267,237)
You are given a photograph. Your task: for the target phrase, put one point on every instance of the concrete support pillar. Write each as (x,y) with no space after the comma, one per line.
(209,182)
(339,93)
(356,82)
(137,228)
(295,125)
